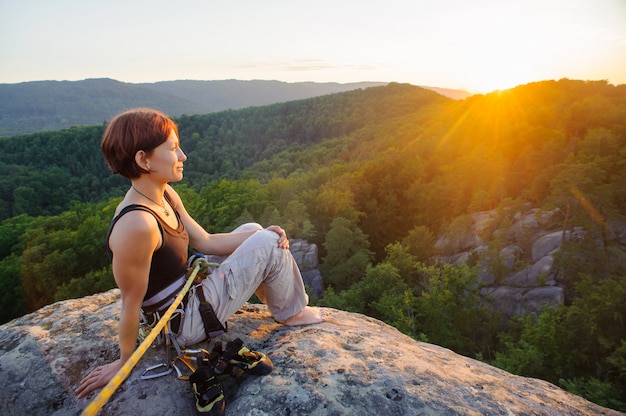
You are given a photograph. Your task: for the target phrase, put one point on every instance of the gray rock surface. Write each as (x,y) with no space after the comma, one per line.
(523,276)
(348,365)
(304,253)
(546,244)
(537,274)
(306,256)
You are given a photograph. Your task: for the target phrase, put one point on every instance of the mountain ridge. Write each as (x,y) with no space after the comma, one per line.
(35,106)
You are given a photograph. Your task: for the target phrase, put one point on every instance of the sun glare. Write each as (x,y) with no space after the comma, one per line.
(499,72)
(496,82)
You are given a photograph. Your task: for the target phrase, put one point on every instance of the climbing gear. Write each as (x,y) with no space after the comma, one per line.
(236,358)
(198,319)
(150,372)
(239,359)
(191,359)
(121,375)
(212,326)
(206,367)
(165,296)
(208,391)
(195,320)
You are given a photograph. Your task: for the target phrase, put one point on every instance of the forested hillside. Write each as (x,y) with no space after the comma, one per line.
(373,177)
(31,107)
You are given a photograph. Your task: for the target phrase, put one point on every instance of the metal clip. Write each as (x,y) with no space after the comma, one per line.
(147,376)
(186,361)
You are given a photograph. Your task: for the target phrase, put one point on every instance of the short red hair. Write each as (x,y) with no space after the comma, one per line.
(132,131)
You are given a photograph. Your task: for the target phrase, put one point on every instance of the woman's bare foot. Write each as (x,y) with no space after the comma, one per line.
(307,316)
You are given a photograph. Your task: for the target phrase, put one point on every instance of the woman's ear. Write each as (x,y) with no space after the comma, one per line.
(142,161)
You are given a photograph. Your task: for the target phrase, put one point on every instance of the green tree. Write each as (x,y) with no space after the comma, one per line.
(93,282)
(60,248)
(399,310)
(11,293)
(379,282)
(420,242)
(450,312)
(597,319)
(543,347)
(581,346)
(400,256)
(296,220)
(601,392)
(348,254)
(220,203)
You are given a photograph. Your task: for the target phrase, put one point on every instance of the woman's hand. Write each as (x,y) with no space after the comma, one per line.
(98,378)
(283,242)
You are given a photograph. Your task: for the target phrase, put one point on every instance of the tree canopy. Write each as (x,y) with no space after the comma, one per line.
(372,177)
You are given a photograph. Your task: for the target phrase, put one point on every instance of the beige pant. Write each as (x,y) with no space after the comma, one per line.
(258,266)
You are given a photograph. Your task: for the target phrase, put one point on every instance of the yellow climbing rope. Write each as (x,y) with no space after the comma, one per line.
(121,375)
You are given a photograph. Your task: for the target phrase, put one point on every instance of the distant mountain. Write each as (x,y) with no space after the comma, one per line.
(450,93)
(31,107)
(212,96)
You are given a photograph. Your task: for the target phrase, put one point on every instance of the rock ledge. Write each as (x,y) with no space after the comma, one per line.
(351,364)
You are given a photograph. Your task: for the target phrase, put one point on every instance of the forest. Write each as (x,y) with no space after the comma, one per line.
(34,106)
(372,177)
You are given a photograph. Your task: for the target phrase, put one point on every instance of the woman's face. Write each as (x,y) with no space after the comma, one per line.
(166,160)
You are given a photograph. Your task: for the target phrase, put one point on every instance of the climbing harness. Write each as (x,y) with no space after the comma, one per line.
(123,373)
(201,365)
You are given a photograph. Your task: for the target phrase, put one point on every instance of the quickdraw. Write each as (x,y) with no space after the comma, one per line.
(187,358)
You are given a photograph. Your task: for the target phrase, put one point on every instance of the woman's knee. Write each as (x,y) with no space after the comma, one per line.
(248,227)
(266,237)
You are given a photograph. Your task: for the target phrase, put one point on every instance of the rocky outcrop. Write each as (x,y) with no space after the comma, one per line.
(348,365)
(526,277)
(306,256)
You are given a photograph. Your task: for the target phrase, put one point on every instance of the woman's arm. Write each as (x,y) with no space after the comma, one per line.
(133,240)
(221,243)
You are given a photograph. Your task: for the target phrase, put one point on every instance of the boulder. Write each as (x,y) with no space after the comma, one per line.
(537,274)
(349,365)
(481,227)
(484,224)
(537,297)
(304,253)
(505,299)
(515,301)
(510,255)
(546,244)
(536,218)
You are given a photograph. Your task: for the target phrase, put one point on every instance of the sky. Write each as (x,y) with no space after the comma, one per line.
(475,45)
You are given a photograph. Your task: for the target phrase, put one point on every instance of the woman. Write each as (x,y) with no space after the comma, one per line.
(151,231)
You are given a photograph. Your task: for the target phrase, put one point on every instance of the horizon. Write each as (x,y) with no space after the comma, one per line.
(469,92)
(238,80)
(480,47)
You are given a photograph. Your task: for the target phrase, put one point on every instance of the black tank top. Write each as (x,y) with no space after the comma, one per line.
(169,262)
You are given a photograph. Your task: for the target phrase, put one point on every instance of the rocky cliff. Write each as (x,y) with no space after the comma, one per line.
(519,273)
(349,365)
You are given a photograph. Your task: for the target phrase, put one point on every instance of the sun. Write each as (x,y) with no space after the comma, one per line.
(495,83)
(494,74)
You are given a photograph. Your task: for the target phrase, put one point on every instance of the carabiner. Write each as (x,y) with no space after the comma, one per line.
(147,376)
